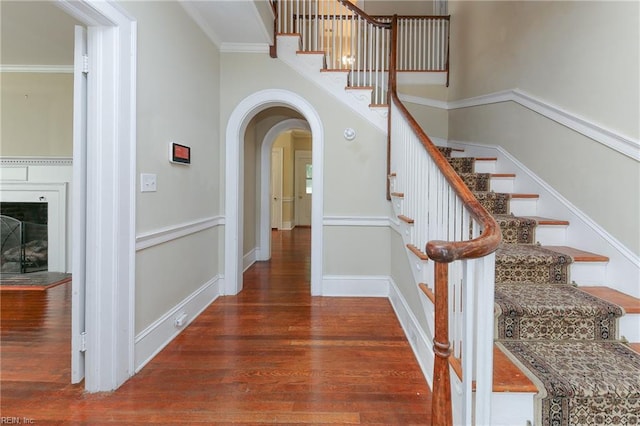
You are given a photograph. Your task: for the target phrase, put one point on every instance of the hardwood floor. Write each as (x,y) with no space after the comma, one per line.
(272,354)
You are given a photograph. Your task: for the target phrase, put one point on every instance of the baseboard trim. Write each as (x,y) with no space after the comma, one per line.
(150,341)
(164,235)
(420,343)
(250,258)
(355,286)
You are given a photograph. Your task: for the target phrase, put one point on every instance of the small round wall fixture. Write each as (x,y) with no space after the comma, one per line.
(349,134)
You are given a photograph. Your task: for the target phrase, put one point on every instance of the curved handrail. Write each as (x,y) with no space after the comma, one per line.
(355,9)
(447,251)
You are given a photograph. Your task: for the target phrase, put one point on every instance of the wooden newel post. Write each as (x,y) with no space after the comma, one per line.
(441,414)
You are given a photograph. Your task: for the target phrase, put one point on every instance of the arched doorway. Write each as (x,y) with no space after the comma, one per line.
(234,208)
(264,241)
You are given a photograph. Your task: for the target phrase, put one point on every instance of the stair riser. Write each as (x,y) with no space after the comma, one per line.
(502,184)
(629,326)
(588,273)
(485,166)
(524,206)
(512,408)
(551,235)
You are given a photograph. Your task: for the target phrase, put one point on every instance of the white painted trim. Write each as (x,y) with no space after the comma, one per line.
(355,286)
(150,341)
(36,161)
(170,233)
(249,258)
(111,206)
(264,227)
(227,47)
(434,103)
(623,268)
(287,226)
(44,69)
(621,143)
(421,344)
(234,177)
(373,221)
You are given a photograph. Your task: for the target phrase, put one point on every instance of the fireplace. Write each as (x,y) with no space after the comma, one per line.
(24,242)
(34,227)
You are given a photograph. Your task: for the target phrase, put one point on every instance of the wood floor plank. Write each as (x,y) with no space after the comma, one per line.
(269,355)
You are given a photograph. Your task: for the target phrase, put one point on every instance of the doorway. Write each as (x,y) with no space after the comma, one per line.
(234,203)
(303,178)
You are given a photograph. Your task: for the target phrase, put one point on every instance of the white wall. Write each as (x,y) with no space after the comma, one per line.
(36,114)
(177,100)
(582,57)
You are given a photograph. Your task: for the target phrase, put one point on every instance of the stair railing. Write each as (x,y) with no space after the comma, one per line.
(356,42)
(459,237)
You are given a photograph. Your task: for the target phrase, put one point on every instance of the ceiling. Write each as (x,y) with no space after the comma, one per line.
(40,33)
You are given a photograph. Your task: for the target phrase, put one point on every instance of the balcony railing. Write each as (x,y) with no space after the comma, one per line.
(361,43)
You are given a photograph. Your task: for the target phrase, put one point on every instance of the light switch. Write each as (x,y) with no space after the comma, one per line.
(147,182)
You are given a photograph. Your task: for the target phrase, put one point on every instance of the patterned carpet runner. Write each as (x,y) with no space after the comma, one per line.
(566,340)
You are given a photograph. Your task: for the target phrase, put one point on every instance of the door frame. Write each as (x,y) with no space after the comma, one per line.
(279,152)
(298,155)
(110,186)
(234,178)
(264,234)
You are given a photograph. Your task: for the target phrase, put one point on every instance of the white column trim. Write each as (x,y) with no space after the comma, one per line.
(111,207)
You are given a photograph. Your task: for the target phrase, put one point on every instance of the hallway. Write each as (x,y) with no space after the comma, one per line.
(272,354)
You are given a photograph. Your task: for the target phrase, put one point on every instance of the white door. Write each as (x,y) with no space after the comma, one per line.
(303,187)
(79,197)
(276,188)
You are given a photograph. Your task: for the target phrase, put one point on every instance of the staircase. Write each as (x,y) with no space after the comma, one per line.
(565,338)
(560,355)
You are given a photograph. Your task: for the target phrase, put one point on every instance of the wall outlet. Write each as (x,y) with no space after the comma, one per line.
(181,320)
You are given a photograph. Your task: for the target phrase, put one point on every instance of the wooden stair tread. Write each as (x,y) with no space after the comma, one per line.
(486,158)
(378,105)
(630,304)
(547,221)
(635,347)
(507,377)
(428,292)
(397,194)
(392,174)
(405,219)
(359,88)
(519,195)
(334,70)
(503,175)
(578,255)
(419,253)
(310,52)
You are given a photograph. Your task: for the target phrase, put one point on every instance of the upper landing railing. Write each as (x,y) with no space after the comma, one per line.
(360,43)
